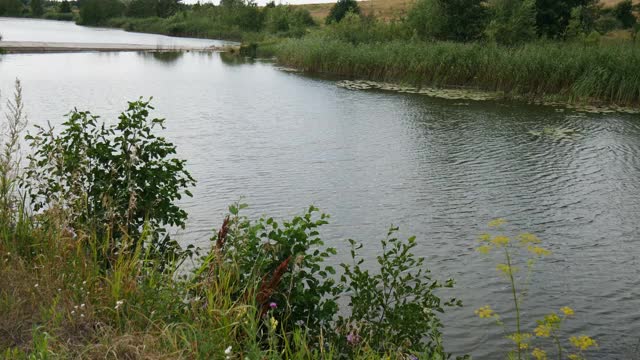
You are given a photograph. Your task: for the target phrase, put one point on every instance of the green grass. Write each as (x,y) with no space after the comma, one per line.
(198,27)
(604,73)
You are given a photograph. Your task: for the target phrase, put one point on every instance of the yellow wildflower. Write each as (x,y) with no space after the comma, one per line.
(506,269)
(497,222)
(539,354)
(528,238)
(575,357)
(484,249)
(500,240)
(552,319)
(520,340)
(582,342)
(567,311)
(274,323)
(543,330)
(485,237)
(485,312)
(537,250)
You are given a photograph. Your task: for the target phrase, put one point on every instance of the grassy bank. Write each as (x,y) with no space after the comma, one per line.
(606,73)
(197,27)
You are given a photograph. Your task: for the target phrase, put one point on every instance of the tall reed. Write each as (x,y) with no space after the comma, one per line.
(571,71)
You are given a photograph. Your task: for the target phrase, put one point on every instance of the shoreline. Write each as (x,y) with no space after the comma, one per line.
(29,47)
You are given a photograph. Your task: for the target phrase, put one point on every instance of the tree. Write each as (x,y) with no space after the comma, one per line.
(340,10)
(513,21)
(11,7)
(65,7)
(624,12)
(583,21)
(36,8)
(458,20)
(96,12)
(552,16)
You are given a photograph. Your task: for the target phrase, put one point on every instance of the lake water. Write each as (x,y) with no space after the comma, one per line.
(439,169)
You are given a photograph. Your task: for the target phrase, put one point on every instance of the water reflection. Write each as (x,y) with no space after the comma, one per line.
(234,59)
(165,57)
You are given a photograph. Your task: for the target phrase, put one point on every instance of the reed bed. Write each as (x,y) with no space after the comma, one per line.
(577,72)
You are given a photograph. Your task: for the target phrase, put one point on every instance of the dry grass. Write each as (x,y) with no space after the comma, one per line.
(611,3)
(390,9)
(382,9)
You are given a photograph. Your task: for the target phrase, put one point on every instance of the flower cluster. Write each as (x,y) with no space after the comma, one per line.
(582,342)
(485,312)
(527,245)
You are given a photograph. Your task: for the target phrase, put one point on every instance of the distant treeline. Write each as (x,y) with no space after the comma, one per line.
(504,21)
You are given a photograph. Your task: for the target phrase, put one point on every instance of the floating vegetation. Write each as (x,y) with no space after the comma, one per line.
(475,95)
(451,94)
(288,69)
(588,108)
(555,133)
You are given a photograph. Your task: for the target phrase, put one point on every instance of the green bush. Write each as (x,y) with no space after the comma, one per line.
(59,16)
(396,307)
(624,13)
(11,8)
(553,15)
(340,9)
(287,20)
(65,7)
(607,23)
(281,267)
(97,12)
(356,29)
(513,22)
(36,8)
(111,180)
(458,20)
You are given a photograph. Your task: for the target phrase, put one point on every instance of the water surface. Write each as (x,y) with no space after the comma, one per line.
(439,169)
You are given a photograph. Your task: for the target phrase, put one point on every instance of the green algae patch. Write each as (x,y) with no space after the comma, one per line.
(450,94)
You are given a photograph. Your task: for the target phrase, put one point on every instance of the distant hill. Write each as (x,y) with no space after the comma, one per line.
(389,9)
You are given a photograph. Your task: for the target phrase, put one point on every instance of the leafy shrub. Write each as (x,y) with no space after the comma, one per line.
(458,20)
(97,12)
(553,15)
(582,22)
(59,16)
(394,309)
(279,268)
(36,8)
(11,8)
(513,21)
(110,179)
(287,20)
(279,263)
(65,6)
(607,23)
(340,9)
(624,13)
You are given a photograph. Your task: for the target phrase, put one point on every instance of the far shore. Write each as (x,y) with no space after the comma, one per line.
(40,47)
